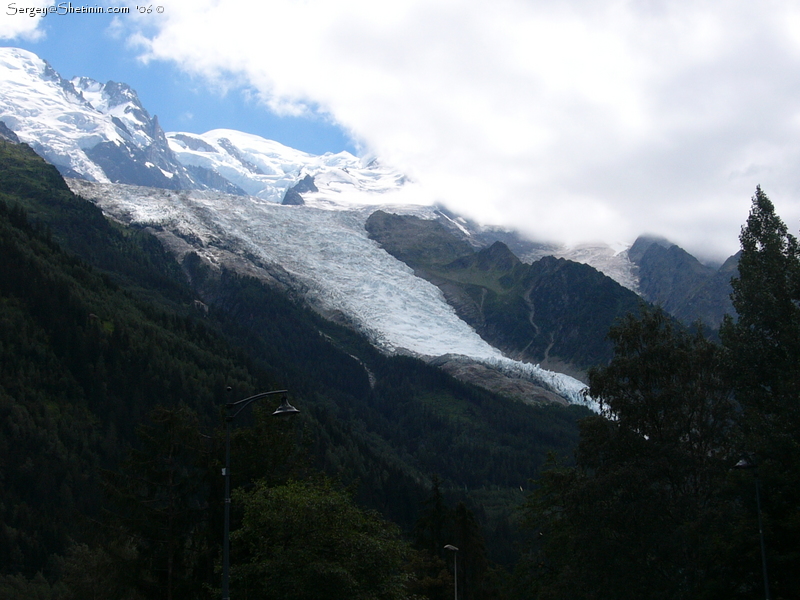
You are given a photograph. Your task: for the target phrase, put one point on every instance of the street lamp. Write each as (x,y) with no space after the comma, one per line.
(749,464)
(455,568)
(233,409)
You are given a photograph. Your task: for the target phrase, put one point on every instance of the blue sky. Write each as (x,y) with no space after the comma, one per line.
(82,45)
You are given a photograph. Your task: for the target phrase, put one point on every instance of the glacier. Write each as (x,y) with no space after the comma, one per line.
(328,256)
(101,137)
(69,122)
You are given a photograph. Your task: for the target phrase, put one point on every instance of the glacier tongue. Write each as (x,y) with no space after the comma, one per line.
(329,253)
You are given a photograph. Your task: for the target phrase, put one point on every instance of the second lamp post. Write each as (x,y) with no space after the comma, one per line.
(232,409)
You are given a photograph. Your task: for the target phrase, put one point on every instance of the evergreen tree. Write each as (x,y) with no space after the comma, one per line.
(162,511)
(433,529)
(472,564)
(434,526)
(764,349)
(643,513)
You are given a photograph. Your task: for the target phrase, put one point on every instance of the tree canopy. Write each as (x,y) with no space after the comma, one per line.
(639,514)
(653,507)
(764,349)
(306,540)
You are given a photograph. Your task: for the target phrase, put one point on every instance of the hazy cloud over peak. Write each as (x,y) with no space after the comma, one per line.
(575,121)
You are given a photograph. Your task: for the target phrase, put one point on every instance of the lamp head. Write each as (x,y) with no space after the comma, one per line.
(285,409)
(747,461)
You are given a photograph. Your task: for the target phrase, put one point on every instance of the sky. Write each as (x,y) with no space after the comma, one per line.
(574,121)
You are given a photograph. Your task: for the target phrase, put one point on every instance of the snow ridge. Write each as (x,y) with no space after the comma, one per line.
(266,169)
(48,113)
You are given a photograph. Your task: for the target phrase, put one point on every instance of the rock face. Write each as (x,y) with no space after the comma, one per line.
(306,184)
(675,280)
(420,243)
(495,380)
(293,196)
(8,135)
(554,312)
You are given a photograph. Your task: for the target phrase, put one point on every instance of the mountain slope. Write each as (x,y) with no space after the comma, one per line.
(675,280)
(100,132)
(554,311)
(323,255)
(86,351)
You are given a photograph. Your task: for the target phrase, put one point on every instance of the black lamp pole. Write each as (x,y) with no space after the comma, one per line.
(750,464)
(454,550)
(233,409)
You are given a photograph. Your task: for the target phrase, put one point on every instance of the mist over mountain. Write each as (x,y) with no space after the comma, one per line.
(424,348)
(221,196)
(674,279)
(554,312)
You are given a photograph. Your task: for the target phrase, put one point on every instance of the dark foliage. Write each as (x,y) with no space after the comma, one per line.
(654,507)
(764,346)
(643,511)
(98,329)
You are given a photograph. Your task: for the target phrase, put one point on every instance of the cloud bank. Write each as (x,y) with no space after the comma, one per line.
(573,121)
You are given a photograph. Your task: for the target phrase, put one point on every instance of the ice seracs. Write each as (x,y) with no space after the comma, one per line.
(328,256)
(101,133)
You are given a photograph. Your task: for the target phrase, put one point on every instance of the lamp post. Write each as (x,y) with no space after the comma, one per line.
(455,568)
(232,410)
(749,464)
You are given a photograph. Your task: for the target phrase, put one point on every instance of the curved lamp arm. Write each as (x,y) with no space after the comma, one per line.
(242,404)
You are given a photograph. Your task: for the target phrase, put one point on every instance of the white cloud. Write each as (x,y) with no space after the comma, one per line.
(574,120)
(22,20)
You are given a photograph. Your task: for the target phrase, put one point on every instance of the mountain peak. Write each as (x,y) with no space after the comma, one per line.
(417,242)
(497,256)
(643,244)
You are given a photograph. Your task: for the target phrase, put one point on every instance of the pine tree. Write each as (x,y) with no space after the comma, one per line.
(472,565)
(764,349)
(643,513)
(162,512)
(435,523)
(765,340)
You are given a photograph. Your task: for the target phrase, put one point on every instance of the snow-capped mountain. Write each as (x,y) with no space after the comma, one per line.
(99,132)
(287,216)
(323,254)
(266,169)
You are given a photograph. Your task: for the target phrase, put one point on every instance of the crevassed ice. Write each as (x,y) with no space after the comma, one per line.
(331,253)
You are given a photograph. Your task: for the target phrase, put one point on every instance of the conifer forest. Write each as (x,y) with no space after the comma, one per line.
(117,362)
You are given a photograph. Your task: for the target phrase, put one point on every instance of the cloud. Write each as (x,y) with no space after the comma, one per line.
(574,121)
(22,20)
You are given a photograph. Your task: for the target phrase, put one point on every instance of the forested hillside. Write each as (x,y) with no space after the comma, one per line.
(111,363)
(686,486)
(114,373)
